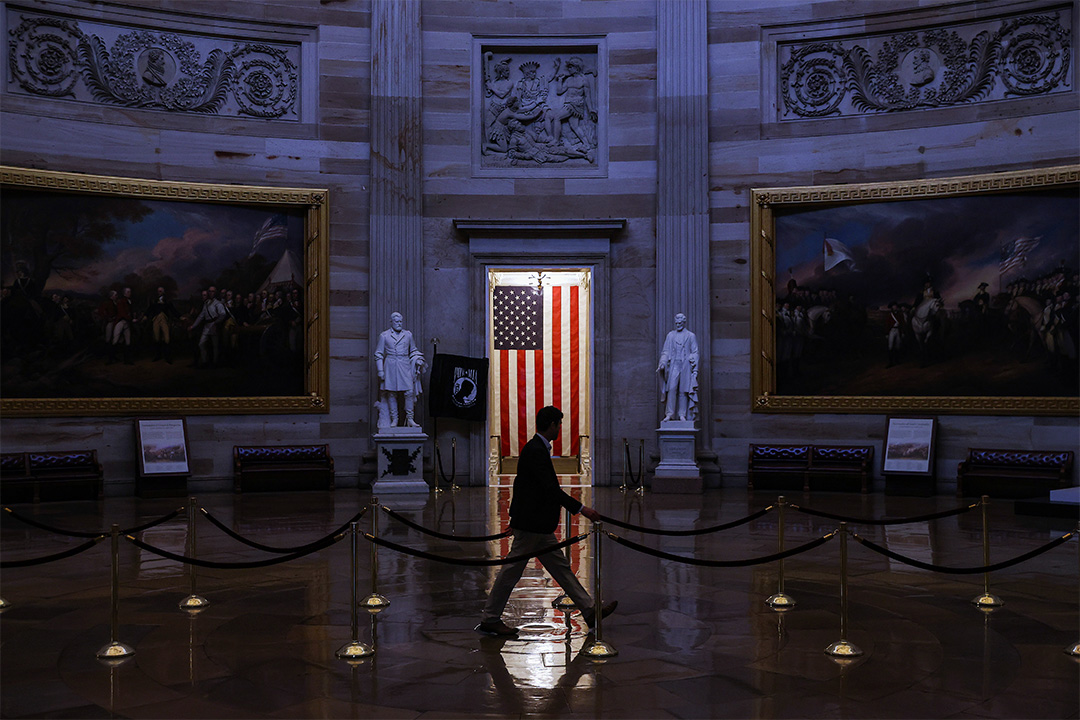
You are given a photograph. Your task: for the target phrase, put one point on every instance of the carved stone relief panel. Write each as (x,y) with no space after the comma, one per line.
(158,69)
(540,107)
(985,60)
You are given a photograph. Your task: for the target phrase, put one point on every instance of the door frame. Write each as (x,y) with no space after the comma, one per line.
(495,244)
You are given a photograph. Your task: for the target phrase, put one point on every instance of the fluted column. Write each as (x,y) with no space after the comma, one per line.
(396,274)
(682,216)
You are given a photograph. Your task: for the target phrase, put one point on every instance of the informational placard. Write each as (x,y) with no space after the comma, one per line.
(163,448)
(909,446)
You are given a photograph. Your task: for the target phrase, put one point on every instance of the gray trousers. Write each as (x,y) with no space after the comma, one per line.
(554,562)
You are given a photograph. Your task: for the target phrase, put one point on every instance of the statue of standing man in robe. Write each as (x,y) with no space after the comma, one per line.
(678,371)
(399,364)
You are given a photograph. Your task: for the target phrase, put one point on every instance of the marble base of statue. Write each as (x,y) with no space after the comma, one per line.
(399,453)
(678,471)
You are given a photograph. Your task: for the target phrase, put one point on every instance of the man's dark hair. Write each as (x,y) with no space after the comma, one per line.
(547,416)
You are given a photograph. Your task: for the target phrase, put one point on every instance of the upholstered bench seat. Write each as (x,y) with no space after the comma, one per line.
(778,467)
(282,467)
(52,475)
(840,467)
(1013,473)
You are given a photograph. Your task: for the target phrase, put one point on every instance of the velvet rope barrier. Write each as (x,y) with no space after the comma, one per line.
(50,558)
(324,543)
(893,521)
(968,570)
(445,536)
(269,548)
(75,533)
(685,533)
(472,562)
(723,563)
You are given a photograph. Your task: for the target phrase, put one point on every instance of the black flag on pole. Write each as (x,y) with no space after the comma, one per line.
(458,387)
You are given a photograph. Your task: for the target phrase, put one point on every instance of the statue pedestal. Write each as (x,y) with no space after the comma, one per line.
(678,471)
(399,453)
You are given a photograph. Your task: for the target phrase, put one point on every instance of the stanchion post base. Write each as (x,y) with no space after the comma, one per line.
(987,601)
(780,602)
(843,649)
(599,650)
(4,604)
(374,602)
(354,651)
(115,651)
(194,603)
(563,603)
(1074,650)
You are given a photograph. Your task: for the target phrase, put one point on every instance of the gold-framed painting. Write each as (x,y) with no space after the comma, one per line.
(126,296)
(952,295)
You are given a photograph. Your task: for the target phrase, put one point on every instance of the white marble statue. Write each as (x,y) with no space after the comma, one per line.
(399,364)
(678,370)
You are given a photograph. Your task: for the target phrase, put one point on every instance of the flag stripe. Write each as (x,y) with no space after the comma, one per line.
(522,398)
(553,330)
(575,361)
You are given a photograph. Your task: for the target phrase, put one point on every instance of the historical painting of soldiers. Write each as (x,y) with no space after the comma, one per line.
(962,302)
(111,298)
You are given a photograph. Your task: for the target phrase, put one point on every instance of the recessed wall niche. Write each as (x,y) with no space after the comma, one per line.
(539,107)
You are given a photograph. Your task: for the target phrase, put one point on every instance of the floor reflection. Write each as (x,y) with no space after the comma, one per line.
(693,642)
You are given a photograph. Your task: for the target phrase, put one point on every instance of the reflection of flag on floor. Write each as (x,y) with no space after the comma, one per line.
(458,387)
(276,227)
(836,253)
(1014,255)
(540,351)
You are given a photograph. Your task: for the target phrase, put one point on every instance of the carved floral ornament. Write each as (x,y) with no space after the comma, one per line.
(153,70)
(1021,57)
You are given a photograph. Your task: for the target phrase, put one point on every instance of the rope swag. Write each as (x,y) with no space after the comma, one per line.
(321,544)
(887,521)
(685,533)
(271,549)
(724,563)
(445,536)
(51,558)
(472,562)
(968,570)
(75,533)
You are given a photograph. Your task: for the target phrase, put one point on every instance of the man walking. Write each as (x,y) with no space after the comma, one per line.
(534,517)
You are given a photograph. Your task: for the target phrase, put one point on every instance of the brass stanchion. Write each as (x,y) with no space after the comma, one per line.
(599,649)
(842,648)
(375,601)
(780,601)
(115,650)
(194,602)
(1074,650)
(641,467)
(986,601)
(626,448)
(563,603)
(355,650)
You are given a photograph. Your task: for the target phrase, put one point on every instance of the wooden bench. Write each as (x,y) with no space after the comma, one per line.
(779,467)
(52,475)
(840,467)
(282,467)
(1013,473)
(810,467)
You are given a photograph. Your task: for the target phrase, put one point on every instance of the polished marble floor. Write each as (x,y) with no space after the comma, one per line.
(692,642)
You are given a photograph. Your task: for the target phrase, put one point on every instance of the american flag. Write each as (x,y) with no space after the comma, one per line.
(540,351)
(1014,255)
(276,227)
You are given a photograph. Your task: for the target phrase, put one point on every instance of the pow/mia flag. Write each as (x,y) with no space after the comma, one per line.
(458,387)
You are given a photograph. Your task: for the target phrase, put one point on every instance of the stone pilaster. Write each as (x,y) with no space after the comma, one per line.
(682,216)
(396,276)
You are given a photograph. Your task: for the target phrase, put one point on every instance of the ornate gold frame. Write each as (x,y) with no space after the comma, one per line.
(764,201)
(316,294)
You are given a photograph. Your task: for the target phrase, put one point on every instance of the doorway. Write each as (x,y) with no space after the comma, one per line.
(540,342)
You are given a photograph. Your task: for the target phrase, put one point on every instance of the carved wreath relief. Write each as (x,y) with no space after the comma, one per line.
(154,70)
(539,109)
(991,60)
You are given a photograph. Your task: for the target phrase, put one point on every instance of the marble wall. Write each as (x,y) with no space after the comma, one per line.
(327,145)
